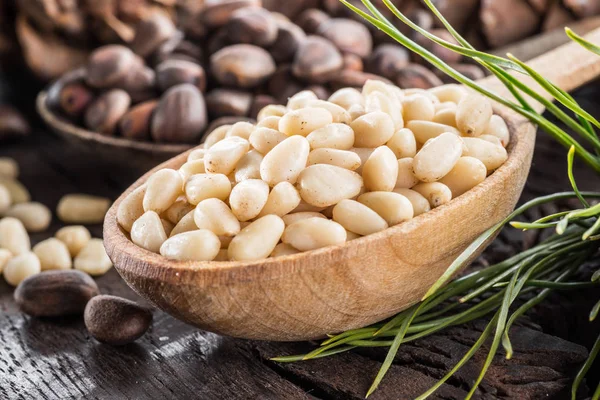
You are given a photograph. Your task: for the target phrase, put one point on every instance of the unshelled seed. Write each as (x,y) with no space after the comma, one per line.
(242,65)
(18,192)
(435,192)
(332,136)
(75,237)
(473,114)
(304,121)
(288,41)
(35,216)
(492,155)
(200,245)
(358,218)
(403,143)
(425,130)
(223,157)
(283,249)
(341,158)
(116,321)
(9,168)
(394,208)
(380,171)
(437,157)
(21,267)
(82,209)
(387,59)
(347,97)
(108,65)
(347,35)
(151,32)
(419,203)
(13,236)
(205,186)
(148,232)
(12,124)
(299,216)
(317,60)
(253,25)
(216,216)
(131,208)
(313,233)
(223,102)
(53,254)
(5,255)
(135,124)
(265,139)
(324,185)
(285,161)
(180,115)
(466,174)
(310,20)
(55,293)
(282,199)
(373,129)
(104,113)
(248,198)
(257,240)
(5,200)
(185,224)
(497,127)
(406,177)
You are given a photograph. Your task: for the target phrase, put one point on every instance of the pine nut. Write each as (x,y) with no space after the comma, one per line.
(13,236)
(492,156)
(341,158)
(303,121)
(356,111)
(406,177)
(248,198)
(18,192)
(403,143)
(82,209)
(437,157)
(248,167)
(272,110)
(148,232)
(338,113)
(451,92)
(5,256)
(380,102)
(162,189)
(21,267)
(392,207)
(285,162)
(358,218)
(9,168)
(436,193)
(423,92)
(380,172)
(446,116)
(373,129)
(200,245)
(75,237)
(282,200)
(92,259)
(497,127)
(186,224)
(466,174)
(5,200)
(283,249)
(131,208)
(314,233)
(301,99)
(53,254)
(346,98)
(425,130)
(324,185)
(299,216)
(374,85)
(35,216)
(332,136)
(216,216)
(191,168)
(447,105)
(216,136)
(196,154)
(257,240)
(241,129)
(177,210)
(364,153)
(418,107)
(265,139)
(473,114)
(224,155)
(268,122)
(491,139)
(419,203)
(206,186)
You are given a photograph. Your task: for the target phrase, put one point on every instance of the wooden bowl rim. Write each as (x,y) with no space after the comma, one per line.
(222,273)
(60,124)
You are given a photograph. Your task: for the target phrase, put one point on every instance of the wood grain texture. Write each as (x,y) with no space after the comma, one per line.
(311,294)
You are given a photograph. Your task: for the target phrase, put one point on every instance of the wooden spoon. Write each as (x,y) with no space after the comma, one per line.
(308,295)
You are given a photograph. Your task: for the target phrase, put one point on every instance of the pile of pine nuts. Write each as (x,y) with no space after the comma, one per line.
(72,245)
(318,173)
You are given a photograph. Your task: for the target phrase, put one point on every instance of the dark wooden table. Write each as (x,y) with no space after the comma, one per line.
(57,359)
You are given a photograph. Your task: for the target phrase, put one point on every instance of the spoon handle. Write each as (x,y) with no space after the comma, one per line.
(568,67)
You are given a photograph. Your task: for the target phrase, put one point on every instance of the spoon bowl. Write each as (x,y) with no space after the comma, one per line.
(311,294)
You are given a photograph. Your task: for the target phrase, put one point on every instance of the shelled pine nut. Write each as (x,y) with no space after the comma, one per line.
(82,209)
(75,237)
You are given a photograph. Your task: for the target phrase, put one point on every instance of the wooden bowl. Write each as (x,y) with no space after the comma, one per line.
(137,156)
(311,294)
